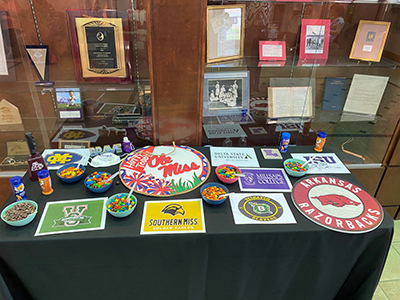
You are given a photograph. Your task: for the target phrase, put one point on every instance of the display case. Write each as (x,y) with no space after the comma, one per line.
(197,72)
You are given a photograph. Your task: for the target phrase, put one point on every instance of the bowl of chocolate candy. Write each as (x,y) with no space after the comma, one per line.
(20,213)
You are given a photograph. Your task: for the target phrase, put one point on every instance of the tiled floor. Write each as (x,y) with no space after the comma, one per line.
(389,285)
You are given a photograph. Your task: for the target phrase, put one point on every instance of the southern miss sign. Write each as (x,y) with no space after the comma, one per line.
(337,204)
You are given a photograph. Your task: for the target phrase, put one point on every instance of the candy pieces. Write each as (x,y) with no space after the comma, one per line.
(295,166)
(212,192)
(70,172)
(228,172)
(120,203)
(98,180)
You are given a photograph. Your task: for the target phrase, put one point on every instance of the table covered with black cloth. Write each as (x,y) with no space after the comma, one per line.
(288,261)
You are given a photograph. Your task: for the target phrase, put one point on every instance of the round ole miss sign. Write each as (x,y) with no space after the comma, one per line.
(337,204)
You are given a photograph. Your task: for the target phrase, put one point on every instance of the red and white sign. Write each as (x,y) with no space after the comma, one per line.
(337,204)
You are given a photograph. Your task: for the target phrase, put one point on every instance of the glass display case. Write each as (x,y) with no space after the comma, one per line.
(75,72)
(235,73)
(292,45)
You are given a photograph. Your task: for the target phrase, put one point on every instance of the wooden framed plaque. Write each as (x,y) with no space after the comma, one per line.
(101,47)
(370,40)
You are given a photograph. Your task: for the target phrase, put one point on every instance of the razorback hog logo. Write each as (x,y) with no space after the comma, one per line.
(335,200)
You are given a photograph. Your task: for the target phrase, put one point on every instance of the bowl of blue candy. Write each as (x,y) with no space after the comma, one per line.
(97,182)
(120,206)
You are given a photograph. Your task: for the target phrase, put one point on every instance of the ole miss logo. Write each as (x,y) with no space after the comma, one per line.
(337,204)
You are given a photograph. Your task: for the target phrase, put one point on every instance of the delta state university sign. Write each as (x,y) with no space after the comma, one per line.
(337,204)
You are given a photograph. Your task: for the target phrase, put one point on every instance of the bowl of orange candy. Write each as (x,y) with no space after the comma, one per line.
(71,173)
(213,192)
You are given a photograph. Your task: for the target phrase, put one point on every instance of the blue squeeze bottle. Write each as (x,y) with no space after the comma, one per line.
(18,188)
(285,138)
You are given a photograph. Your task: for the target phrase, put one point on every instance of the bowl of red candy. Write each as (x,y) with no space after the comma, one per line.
(227,173)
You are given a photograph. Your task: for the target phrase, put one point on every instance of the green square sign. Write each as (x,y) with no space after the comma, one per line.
(72,216)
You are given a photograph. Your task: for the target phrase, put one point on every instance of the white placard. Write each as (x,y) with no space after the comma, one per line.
(323,163)
(365,94)
(272,50)
(251,209)
(223,131)
(239,157)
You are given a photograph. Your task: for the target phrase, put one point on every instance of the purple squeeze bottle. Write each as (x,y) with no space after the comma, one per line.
(35,161)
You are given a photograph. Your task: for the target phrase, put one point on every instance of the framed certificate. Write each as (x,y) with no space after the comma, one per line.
(272,50)
(100,45)
(225,32)
(314,40)
(370,40)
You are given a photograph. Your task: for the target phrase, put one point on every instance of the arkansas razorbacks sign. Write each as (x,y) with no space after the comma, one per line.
(337,204)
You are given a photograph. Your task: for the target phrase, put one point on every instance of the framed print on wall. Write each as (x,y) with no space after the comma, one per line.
(272,50)
(225,32)
(226,93)
(314,40)
(370,40)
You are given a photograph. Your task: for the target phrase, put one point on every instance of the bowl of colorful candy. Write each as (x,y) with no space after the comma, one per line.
(120,206)
(227,173)
(296,167)
(20,213)
(211,192)
(70,173)
(97,182)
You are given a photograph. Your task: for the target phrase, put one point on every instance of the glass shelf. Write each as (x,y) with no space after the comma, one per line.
(333,61)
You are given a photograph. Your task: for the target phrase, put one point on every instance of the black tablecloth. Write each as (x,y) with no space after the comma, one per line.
(292,261)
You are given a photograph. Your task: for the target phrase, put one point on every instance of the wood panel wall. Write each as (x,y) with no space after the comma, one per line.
(176,34)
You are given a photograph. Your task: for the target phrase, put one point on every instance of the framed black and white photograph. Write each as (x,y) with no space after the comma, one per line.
(226,93)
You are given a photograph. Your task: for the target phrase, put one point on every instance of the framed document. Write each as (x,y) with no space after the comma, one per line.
(226,93)
(100,45)
(314,40)
(370,40)
(225,32)
(7,66)
(272,50)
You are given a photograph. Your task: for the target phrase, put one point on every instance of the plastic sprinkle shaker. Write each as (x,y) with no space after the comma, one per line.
(285,139)
(45,182)
(320,142)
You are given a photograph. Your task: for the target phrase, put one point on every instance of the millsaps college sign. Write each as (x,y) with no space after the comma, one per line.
(337,204)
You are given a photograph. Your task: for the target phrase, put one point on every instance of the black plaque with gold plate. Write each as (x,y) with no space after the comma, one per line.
(100,47)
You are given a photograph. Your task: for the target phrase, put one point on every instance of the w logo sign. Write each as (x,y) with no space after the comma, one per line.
(73,216)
